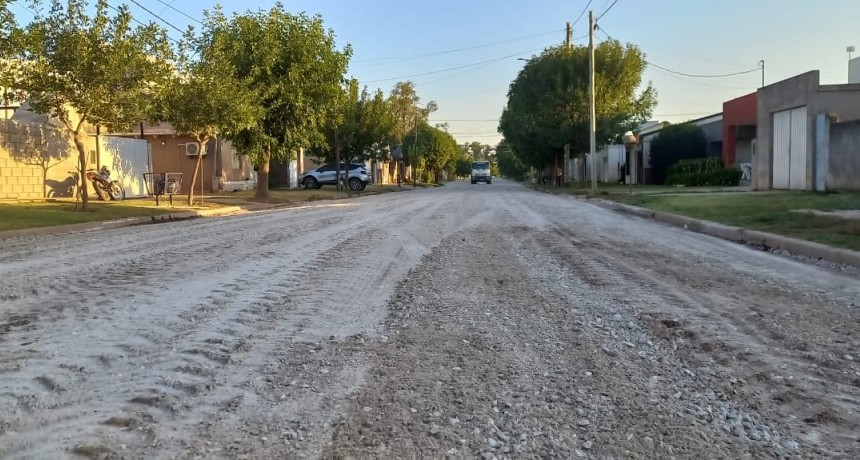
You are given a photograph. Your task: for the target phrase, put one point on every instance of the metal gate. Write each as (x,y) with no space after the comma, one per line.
(128,159)
(789,149)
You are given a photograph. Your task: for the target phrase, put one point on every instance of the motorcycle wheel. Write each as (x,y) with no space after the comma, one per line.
(101,193)
(116,191)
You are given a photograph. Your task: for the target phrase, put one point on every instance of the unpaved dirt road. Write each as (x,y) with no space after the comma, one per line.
(463,321)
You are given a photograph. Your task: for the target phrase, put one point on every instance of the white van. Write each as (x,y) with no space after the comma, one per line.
(481,172)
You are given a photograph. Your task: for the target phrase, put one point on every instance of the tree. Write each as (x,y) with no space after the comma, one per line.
(292,62)
(98,70)
(548,101)
(407,113)
(509,163)
(478,151)
(362,129)
(675,143)
(430,148)
(204,99)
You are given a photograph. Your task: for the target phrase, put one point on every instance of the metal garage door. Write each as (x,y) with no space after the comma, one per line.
(789,149)
(797,175)
(128,159)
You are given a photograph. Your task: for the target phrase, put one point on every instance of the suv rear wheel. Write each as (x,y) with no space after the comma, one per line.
(311,182)
(355,184)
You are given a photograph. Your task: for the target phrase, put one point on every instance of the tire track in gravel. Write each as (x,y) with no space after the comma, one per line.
(145,364)
(493,357)
(775,342)
(160,360)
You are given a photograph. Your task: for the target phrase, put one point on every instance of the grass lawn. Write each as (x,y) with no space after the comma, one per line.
(766,211)
(579,188)
(15,216)
(61,211)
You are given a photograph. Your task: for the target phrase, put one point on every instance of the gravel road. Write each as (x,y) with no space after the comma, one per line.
(462,322)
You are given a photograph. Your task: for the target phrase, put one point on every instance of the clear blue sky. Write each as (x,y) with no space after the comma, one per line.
(467,49)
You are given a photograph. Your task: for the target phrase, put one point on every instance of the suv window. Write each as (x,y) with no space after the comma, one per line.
(325,168)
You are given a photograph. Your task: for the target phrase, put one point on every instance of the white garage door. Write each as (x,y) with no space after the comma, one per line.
(128,159)
(789,149)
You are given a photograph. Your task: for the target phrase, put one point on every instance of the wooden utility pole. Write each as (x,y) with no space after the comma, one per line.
(592,125)
(568,36)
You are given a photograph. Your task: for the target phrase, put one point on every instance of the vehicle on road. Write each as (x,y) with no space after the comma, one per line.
(481,172)
(357,180)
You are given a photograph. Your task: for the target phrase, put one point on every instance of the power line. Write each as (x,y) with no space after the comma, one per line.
(451,68)
(607,10)
(733,74)
(169,5)
(140,23)
(158,17)
(455,50)
(582,13)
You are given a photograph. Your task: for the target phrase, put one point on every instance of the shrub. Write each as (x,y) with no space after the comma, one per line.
(702,172)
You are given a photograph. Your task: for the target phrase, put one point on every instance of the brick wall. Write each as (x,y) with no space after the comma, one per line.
(24,145)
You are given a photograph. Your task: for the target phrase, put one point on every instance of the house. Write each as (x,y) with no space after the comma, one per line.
(808,135)
(222,169)
(38,158)
(739,129)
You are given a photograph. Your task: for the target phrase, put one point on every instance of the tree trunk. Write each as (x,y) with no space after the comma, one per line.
(262,193)
(45,182)
(82,165)
(200,146)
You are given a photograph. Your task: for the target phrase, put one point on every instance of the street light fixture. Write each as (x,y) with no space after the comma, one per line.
(630,142)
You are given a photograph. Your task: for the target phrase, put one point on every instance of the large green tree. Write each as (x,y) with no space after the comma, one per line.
(431,149)
(293,64)
(204,98)
(510,164)
(84,70)
(405,104)
(548,101)
(362,130)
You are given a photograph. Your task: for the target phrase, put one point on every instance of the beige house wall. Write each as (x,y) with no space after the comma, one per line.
(27,148)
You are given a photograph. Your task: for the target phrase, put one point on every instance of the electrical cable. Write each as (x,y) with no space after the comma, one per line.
(449,68)
(141,23)
(606,10)
(582,13)
(456,50)
(732,74)
(158,17)
(169,5)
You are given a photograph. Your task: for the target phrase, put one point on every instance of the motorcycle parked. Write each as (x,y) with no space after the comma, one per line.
(105,188)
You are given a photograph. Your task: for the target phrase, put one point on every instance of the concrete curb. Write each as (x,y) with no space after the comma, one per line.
(111,224)
(769,241)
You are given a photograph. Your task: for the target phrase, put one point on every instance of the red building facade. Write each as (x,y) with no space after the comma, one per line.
(739,129)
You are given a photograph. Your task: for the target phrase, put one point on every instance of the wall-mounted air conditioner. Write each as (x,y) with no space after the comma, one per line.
(192,149)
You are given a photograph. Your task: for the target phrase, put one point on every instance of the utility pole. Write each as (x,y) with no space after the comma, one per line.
(415,158)
(592,128)
(568,36)
(761,64)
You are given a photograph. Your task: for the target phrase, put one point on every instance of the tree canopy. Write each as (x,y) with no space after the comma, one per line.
(204,98)
(84,70)
(548,101)
(431,149)
(292,62)
(363,129)
(408,113)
